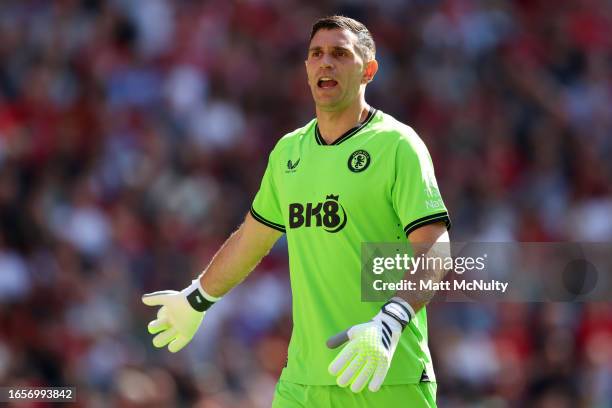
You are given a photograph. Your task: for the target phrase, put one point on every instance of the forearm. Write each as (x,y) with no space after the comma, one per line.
(430,242)
(421,296)
(237,257)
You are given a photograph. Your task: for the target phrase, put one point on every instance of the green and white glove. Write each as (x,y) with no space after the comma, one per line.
(370,347)
(179,316)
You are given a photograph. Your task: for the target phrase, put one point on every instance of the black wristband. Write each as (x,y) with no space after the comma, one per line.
(198,302)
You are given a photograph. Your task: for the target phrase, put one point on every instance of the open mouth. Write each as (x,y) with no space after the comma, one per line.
(326,83)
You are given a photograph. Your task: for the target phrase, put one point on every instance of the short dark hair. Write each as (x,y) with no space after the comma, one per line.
(365,42)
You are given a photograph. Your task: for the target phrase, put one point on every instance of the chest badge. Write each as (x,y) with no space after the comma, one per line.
(358,161)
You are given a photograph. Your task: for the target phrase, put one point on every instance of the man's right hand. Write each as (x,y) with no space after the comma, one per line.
(179,316)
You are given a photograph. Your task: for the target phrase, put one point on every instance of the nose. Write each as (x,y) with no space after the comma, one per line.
(326,61)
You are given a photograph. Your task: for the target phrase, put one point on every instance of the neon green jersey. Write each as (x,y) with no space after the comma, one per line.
(375,183)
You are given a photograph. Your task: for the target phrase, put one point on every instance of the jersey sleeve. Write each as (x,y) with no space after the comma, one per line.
(415,194)
(266,206)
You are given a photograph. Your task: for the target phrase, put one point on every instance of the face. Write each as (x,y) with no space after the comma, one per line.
(337,74)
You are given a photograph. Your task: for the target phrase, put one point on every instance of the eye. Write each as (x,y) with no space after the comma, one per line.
(315,54)
(341,53)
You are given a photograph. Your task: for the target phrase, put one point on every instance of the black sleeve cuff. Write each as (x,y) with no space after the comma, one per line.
(429,219)
(265,222)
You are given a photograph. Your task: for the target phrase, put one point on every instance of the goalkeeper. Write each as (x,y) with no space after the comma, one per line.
(351,175)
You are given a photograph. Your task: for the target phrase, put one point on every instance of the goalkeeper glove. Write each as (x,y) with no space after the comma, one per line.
(370,347)
(179,316)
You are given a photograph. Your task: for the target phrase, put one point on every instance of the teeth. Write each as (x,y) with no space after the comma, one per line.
(325,79)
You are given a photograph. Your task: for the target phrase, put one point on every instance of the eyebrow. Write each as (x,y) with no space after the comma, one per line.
(335,48)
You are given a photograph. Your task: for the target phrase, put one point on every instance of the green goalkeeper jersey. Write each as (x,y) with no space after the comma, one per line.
(375,183)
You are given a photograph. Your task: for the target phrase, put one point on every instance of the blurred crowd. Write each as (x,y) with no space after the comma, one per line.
(133,136)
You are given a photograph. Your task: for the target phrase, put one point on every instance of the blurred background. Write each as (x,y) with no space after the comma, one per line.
(133,136)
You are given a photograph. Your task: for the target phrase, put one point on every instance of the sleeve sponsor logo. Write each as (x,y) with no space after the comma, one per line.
(433,204)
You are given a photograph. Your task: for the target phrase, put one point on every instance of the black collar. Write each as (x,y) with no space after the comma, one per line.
(348,133)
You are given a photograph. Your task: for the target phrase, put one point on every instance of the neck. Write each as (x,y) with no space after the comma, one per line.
(333,124)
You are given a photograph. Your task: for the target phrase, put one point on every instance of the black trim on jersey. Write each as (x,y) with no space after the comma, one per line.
(347,134)
(430,219)
(265,222)
(318,138)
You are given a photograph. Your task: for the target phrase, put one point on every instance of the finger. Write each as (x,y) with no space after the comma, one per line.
(351,371)
(342,359)
(158,325)
(363,376)
(162,313)
(157,298)
(338,340)
(164,338)
(379,377)
(178,343)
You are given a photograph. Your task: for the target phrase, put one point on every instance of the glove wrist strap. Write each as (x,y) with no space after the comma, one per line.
(400,310)
(197,297)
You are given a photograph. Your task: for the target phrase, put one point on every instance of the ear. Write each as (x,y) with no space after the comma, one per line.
(370,69)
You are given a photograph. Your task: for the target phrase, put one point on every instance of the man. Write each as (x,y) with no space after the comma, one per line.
(352,175)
